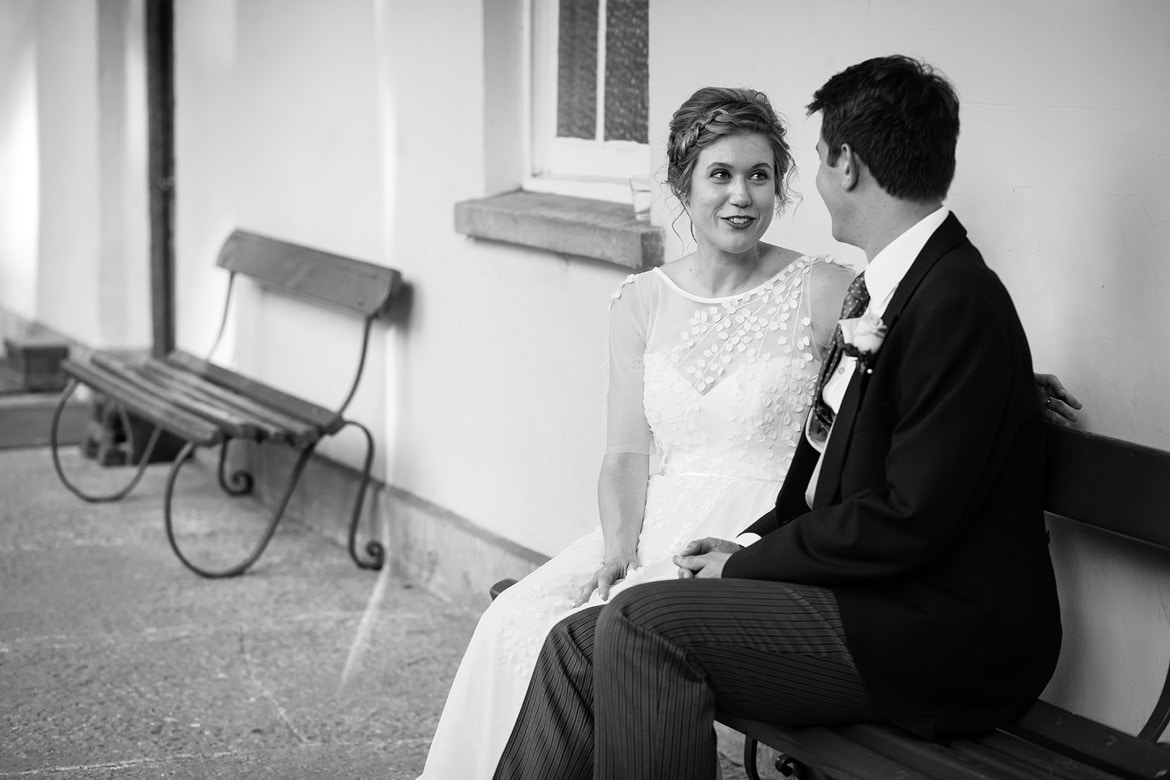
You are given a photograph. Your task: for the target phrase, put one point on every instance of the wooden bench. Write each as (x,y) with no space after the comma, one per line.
(208,405)
(1111,485)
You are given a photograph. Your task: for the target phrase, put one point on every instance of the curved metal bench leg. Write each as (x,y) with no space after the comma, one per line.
(1160,716)
(374,548)
(54,448)
(750,767)
(786,765)
(240,482)
(258,550)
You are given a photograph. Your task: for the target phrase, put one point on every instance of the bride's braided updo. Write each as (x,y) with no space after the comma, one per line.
(713,113)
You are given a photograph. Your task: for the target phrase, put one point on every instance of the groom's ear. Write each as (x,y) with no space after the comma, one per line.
(849,165)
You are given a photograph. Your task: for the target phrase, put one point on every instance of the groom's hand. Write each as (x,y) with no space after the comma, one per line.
(704,558)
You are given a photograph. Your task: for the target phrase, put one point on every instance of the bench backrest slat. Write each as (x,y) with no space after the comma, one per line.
(326,420)
(342,282)
(1110,484)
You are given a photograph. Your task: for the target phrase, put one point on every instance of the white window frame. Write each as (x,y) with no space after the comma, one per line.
(572,166)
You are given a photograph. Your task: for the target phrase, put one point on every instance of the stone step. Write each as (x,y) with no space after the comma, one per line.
(25,420)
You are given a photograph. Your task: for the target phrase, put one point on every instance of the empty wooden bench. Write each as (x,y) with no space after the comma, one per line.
(210,406)
(1111,485)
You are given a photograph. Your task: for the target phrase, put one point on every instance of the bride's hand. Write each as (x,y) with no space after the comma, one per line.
(608,575)
(1058,402)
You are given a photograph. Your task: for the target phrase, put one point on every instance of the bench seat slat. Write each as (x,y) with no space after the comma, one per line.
(930,758)
(829,751)
(325,420)
(1043,762)
(280,426)
(887,752)
(962,758)
(211,408)
(231,424)
(1091,742)
(151,408)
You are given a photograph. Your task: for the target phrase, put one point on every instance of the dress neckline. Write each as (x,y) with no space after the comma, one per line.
(720,299)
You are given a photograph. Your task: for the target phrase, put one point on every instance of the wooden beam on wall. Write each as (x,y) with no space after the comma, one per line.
(160,98)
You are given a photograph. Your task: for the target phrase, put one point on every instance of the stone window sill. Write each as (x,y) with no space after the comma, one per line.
(581,227)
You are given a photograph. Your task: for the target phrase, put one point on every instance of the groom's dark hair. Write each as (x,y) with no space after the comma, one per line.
(900,117)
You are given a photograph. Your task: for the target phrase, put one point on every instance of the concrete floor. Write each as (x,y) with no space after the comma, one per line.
(117,662)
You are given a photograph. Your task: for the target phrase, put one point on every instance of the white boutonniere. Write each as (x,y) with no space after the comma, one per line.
(862,337)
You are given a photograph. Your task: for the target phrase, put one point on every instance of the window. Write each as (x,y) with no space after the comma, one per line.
(565,114)
(589,96)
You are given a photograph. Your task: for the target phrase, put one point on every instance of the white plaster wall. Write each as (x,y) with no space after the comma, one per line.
(355,131)
(67,268)
(73,240)
(502,396)
(1061,183)
(19,174)
(206,177)
(276,133)
(123,252)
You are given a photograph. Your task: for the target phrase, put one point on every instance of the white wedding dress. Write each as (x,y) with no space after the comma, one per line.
(717,389)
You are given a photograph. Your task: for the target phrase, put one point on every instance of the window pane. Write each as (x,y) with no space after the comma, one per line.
(577,71)
(626,70)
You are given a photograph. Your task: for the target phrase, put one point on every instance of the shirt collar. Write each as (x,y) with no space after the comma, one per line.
(885,271)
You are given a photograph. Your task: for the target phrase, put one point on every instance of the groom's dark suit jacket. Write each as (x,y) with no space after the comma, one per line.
(927,520)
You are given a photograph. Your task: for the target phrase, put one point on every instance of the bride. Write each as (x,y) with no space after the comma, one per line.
(713,361)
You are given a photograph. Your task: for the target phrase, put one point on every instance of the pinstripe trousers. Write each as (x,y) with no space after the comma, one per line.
(629,690)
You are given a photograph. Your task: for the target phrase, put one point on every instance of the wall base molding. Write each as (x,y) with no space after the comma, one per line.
(15,326)
(426,544)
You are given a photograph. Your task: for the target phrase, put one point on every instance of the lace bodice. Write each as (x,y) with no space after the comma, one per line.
(721,384)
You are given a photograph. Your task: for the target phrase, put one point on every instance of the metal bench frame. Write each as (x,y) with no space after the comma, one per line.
(207,405)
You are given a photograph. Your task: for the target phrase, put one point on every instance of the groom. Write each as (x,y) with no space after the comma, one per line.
(904,573)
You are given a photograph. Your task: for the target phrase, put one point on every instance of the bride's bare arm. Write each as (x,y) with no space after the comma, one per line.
(827,285)
(621,498)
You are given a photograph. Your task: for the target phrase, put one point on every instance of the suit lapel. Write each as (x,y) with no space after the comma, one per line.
(829,481)
(790,502)
(946,237)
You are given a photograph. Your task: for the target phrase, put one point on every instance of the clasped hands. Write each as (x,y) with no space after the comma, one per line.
(704,558)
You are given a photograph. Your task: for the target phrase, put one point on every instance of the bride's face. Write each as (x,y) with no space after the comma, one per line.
(733,193)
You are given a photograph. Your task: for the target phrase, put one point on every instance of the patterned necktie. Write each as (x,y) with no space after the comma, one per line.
(856,300)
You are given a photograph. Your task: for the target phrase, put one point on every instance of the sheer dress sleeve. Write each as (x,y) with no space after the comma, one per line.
(626,428)
(824,290)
